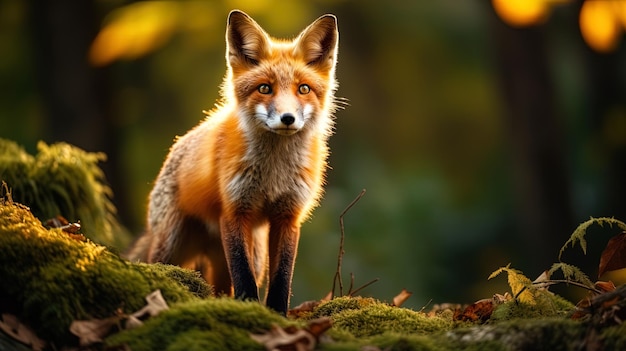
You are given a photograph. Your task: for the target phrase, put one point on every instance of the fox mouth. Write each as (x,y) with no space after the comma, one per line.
(284,131)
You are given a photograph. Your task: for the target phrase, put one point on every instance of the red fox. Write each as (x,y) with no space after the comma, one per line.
(233,192)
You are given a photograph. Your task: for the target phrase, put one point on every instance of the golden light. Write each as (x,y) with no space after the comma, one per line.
(600,24)
(522,13)
(134,30)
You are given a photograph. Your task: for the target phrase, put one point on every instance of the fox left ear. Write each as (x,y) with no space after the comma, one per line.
(246,41)
(318,42)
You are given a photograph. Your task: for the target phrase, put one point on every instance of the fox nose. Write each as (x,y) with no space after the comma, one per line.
(287,119)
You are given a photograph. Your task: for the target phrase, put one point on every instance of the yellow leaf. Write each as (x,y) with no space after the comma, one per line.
(521,286)
(135,30)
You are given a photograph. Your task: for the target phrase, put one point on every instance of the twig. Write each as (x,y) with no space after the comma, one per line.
(426,305)
(565,281)
(351,283)
(558,281)
(337,279)
(351,293)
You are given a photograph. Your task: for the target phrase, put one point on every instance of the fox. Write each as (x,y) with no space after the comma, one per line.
(233,192)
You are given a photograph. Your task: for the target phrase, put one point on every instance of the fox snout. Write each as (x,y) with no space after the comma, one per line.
(283,123)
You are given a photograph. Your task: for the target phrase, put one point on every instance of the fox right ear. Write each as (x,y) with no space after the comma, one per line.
(246,41)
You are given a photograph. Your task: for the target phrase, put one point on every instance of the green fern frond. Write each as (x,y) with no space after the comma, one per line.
(571,273)
(578,236)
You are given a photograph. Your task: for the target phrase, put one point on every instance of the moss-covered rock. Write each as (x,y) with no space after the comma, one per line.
(50,278)
(212,324)
(363,317)
(64,180)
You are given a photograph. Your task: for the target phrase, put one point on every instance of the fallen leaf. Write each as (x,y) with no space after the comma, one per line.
(614,255)
(155,305)
(582,308)
(478,311)
(401,298)
(292,338)
(65,225)
(308,306)
(604,286)
(318,326)
(539,283)
(303,308)
(94,330)
(20,332)
(606,303)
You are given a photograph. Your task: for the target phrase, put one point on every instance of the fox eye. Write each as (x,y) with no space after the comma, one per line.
(264,89)
(304,89)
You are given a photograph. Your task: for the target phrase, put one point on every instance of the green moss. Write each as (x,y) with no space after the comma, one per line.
(50,279)
(359,322)
(213,324)
(521,334)
(546,305)
(63,180)
(363,317)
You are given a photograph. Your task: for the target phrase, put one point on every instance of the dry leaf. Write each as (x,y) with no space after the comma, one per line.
(94,330)
(308,306)
(614,255)
(156,304)
(401,298)
(594,302)
(604,286)
(292,338)
(64,224)
(305,307)
(539,283)
(20,332)
(478,311)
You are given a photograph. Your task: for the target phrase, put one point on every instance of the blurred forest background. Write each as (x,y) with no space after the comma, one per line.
(484,131)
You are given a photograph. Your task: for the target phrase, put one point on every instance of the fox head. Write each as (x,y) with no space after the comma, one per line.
(281,86)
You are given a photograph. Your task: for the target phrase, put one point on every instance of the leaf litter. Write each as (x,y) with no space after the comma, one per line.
(369,324)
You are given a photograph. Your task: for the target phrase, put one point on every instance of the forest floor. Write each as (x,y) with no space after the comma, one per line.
(62,291)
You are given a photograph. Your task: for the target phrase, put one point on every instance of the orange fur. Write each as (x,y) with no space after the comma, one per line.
(233,191)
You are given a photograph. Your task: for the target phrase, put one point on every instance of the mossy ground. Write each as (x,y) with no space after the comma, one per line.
(50,278)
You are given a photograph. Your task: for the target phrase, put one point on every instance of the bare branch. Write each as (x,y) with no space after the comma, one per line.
(337,279)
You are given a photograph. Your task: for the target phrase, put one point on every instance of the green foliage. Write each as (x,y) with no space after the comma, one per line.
(521,286)
(50,278)
(571,273)
(63,180)
(213,324)
(578,236)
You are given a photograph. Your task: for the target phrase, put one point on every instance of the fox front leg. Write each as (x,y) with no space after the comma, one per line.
(237,241)
(283,248)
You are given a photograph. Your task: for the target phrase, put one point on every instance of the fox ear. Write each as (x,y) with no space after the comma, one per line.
(246,41)
(318,42)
